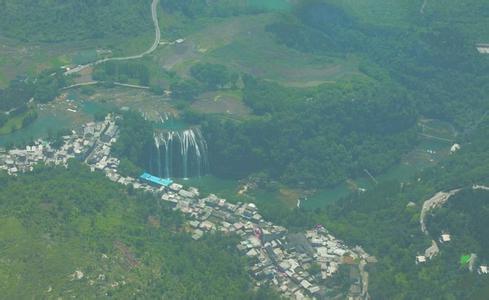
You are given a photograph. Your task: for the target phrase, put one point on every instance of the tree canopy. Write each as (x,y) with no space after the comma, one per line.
(56,222)
(54,21)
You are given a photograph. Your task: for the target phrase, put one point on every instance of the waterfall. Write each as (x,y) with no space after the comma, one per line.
(167,158)
(185,153)
(158,154)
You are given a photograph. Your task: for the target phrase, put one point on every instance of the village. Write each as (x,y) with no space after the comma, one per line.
(297,265)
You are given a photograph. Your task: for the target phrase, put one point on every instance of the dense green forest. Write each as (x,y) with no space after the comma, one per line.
(213,76)
(135,141)
(469,17)
(465,217)
(53,21)
(204,77)
(16,95)
(316,137)
(56,221)
(222,8)
(201,8)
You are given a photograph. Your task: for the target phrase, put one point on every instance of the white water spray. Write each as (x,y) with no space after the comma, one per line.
(191,148)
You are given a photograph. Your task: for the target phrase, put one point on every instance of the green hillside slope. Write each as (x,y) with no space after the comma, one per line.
(70,20)
(386,222)
(71,233)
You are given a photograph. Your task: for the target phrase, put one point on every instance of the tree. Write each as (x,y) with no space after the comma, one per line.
(186,90)
(213,76)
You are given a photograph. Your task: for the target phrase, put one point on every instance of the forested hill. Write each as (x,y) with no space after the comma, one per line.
(385,220)
(317,137)
(71,233)
(469,16)
(222,8)
(68,20)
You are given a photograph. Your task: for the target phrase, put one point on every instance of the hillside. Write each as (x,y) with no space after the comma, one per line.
(72,233)
(72,20)
(385,220)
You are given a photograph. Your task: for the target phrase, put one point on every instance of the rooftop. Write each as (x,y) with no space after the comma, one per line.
(156,180)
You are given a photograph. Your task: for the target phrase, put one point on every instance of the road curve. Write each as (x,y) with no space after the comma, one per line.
(154,16)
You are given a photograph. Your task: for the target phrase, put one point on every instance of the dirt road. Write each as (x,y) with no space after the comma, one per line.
(154,16)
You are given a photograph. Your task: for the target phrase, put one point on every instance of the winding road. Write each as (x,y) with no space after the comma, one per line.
(154,16)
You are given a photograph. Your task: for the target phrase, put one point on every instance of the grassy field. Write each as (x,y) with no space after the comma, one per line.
(243,44)
(260,56)
(469,16)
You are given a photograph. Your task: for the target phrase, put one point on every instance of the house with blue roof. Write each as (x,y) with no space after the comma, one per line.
(153,180)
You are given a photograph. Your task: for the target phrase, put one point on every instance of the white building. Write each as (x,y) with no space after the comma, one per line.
(420,259)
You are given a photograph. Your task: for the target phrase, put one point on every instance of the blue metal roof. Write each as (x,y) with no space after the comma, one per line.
(156,180)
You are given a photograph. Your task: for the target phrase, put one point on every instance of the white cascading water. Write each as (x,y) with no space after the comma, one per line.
(168,158)
(191,160)
(158,154)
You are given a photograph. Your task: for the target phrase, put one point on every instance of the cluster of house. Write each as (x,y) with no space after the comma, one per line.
(23,160)
(297,264)
(94,140)
(98,156)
